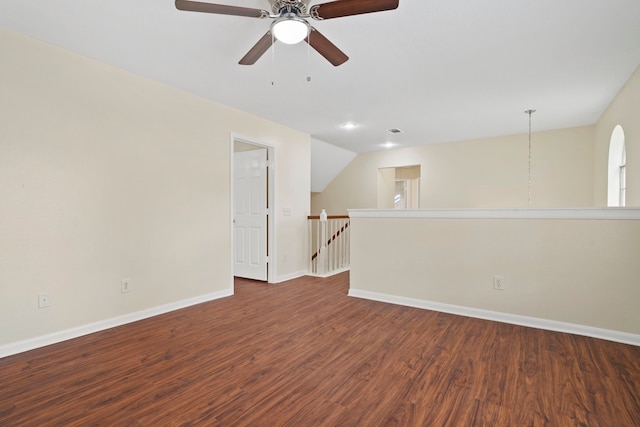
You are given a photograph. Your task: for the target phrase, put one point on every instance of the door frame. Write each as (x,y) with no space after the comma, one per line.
(271,223)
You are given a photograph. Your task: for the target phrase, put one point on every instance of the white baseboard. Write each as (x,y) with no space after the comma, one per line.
(533,322)
(291,276)
(332,273)
(56,337)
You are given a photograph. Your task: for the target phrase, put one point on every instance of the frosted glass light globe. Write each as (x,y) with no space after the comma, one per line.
(290,30)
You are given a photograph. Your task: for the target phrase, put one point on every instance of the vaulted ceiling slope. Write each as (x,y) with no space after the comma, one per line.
(439,70)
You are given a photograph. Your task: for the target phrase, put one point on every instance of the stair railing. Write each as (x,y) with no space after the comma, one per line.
(329,244)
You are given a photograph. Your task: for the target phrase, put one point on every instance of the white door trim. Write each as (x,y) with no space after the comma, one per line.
(271,223)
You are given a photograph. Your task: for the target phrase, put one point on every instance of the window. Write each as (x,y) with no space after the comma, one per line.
(406,195)
(617,177)
(623,179)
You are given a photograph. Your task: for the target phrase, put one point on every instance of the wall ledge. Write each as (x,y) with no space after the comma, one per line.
(512,213)
(67,334)
(531,322)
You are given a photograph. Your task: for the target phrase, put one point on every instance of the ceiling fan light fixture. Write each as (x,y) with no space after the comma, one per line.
(290,29)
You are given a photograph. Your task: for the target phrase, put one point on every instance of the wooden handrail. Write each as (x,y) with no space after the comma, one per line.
(332,238)
(329,217)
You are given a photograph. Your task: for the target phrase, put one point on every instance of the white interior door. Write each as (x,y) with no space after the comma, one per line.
(250,214)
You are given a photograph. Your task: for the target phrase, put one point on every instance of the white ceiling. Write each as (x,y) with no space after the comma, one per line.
(439,70)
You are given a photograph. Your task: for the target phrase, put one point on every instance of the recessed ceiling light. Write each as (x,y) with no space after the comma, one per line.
(388,144)
(349,125)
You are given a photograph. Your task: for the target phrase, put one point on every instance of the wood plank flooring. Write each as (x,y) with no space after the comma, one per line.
(302,353)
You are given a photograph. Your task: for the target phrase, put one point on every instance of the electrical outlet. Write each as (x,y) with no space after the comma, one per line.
(498,283)
(44,300)
(125,285)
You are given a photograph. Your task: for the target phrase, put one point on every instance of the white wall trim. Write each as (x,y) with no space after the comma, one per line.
(56,337)
(331,273)
(515,213)
(291,276)
(532,322)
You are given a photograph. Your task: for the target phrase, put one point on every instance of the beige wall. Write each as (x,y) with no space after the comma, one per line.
(578,271)
(624,111)
(490,172)
(582,272)
(386,188)
(105,175)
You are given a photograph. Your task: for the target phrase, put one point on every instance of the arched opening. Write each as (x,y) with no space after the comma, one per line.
(617,181)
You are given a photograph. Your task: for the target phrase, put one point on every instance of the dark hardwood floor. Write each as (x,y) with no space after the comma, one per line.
(302,353)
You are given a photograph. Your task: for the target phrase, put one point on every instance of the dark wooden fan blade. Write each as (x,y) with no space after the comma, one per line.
(221,9)
(325,48)
(340,8)
(257,50)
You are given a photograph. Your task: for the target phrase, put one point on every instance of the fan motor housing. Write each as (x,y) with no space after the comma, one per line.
(289,6)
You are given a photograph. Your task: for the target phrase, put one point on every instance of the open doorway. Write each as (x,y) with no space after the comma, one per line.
(252,197)
(399,187)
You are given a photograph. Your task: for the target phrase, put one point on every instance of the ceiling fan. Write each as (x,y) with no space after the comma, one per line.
(290,23)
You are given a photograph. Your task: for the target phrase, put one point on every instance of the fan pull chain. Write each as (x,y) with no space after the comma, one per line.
(308,56)
(273,59)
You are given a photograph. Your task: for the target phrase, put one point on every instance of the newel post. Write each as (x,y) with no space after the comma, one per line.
(322,252)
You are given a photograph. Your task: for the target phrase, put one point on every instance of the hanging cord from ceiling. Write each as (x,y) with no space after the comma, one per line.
(530,189)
